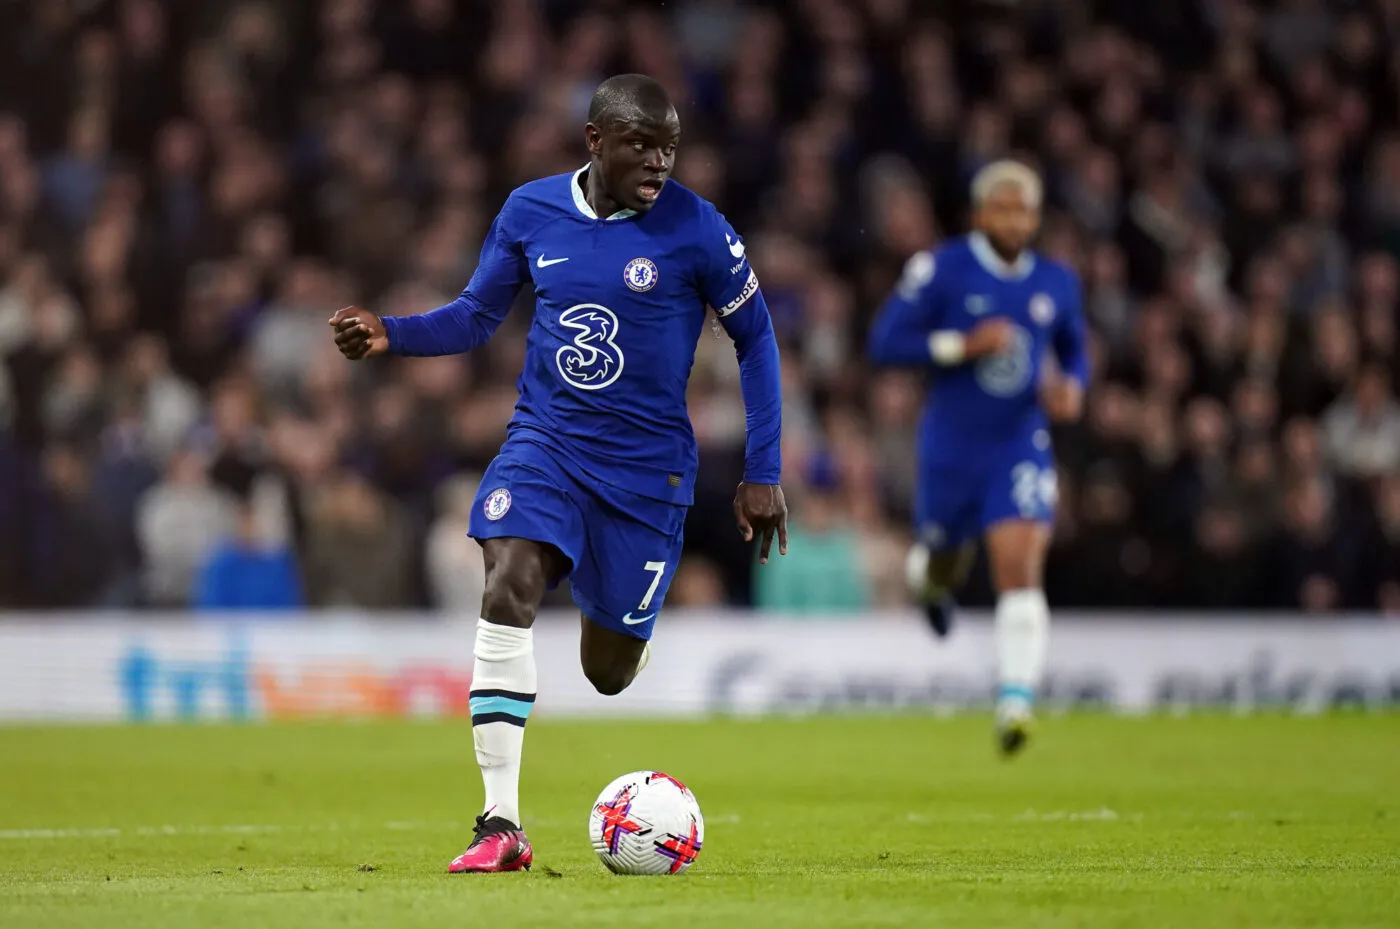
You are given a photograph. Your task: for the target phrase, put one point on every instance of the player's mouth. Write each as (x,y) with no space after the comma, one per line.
(648,191)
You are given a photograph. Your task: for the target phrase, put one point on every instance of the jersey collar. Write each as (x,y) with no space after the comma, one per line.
(988,258)
(580,201)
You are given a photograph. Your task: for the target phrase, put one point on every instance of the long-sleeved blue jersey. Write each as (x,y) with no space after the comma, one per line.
(985,403)
(984,446)
(620,305)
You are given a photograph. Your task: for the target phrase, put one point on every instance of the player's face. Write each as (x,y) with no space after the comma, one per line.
(1009,219)
(636,158)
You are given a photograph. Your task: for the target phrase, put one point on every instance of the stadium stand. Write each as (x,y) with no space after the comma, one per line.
(187,191)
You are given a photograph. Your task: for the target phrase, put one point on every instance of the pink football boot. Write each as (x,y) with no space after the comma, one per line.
(500,845)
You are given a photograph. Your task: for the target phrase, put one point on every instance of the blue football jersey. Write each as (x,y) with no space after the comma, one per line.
(620,306)
(974,410)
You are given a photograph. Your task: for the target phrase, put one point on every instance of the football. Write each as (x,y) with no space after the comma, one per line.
(646,822)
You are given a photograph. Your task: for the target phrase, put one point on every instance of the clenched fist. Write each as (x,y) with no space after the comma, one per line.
(359,333)
(990,337)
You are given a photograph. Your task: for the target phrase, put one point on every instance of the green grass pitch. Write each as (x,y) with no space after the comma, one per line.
(1193,822)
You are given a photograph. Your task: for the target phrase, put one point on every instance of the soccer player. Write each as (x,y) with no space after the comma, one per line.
(982,314)
(598,468)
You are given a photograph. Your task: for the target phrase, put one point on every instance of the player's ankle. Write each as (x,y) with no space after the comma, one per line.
(1014,702)
(936,593)
(507,811)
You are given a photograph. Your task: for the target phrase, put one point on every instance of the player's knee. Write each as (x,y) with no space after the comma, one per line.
(1017,569)
(1017,556)
(514,586)
(1019,577)
(507,602)
(609,679)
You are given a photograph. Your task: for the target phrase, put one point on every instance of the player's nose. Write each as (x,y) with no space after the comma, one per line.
(655,161)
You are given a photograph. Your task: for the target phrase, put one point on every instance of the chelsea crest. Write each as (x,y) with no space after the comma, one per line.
(640,274)
(1042,309)
(497,504)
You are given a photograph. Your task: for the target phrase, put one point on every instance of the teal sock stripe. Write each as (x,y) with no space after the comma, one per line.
(495,703)
(1014,691)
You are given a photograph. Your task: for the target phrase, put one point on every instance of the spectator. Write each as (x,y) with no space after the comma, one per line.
(1363,427)
(819,574)
(76,555)
(1221,569)
(698,583)
(245,572)
(1114,558)
(1381,571)
(73,180)
(456,571)
(357,548)
(185,198)
(170,406)
(178,523)
(1310,562)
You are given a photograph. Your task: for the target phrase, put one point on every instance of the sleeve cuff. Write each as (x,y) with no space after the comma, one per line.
(947,347)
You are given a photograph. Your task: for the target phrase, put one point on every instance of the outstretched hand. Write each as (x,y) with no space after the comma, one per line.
(359,333)
(761,508)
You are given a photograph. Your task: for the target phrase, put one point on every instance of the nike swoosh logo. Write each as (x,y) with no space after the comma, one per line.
(541,263)
(629,620)
(736,248)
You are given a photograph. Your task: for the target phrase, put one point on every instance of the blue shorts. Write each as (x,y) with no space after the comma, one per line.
(622,549)
(957,503)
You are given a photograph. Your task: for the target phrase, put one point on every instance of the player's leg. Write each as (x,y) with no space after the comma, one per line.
(1016,556)
(945,515)
(503,674)
(620,584)
(528,530)
(934,577)
(1018,515)
(611,659)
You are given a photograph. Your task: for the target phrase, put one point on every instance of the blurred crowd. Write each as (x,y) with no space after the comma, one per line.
(188,190)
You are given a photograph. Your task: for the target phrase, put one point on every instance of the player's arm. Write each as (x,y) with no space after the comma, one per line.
(760,380)
(729,285)
(457,327)
(759,503)
(1063,395)
(908,330)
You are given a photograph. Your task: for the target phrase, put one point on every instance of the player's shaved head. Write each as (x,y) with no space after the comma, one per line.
(632,134)
(630,98)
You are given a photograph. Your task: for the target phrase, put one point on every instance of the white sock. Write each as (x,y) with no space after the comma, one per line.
(1022,633)
(502,695)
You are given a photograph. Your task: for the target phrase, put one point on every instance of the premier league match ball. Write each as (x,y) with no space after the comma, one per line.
(646,822)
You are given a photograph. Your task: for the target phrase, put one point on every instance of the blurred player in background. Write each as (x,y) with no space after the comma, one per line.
(599,465)
(984,312)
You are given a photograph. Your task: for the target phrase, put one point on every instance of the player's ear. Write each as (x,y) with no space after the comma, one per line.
(593,137)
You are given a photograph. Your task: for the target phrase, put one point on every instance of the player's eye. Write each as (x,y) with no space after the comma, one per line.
(639,147)
(670,150)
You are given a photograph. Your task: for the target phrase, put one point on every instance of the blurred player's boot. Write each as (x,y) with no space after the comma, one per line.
(500,845)
(939,614)
(1014,721)
(1012,736)
(936,602)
